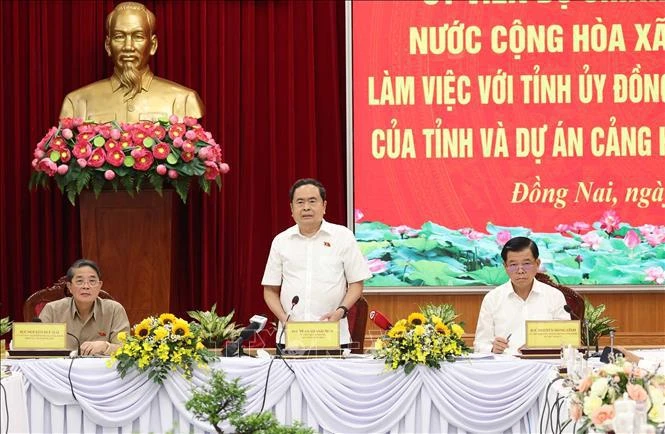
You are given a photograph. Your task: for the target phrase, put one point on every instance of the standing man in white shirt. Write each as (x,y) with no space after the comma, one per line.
(501,322)
(317,261)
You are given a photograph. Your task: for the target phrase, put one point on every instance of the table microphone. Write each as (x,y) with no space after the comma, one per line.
(294,301)
(585,323)
(380,320)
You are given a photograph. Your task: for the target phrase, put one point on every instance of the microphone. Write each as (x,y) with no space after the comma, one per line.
(256,324)
(612,357)
(380,320)
(585,324)
(294,301)
(78,342)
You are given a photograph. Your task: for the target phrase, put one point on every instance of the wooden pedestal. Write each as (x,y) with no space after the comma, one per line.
(130,239)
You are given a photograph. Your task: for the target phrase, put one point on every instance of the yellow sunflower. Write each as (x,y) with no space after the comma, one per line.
(442,328)
(397,331)
(160,333)
(417,318)
(167,318)
(142,330)
(181,328)
(122,336)
(458,330)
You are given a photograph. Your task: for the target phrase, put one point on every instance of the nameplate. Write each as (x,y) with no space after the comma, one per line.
(39,336)
(307,335)
(553,334)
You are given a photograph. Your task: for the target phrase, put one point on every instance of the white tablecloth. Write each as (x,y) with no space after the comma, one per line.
(340,396)
(13,410)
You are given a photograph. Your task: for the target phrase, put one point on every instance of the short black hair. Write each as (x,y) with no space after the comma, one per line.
(307,181)
(517,244)
(82,263)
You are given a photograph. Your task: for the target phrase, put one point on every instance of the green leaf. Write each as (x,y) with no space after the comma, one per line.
(408,367)
(205,184)
(157,182)
(182,187)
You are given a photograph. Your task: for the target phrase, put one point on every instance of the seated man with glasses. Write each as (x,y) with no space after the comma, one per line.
(96,322)
(505,309)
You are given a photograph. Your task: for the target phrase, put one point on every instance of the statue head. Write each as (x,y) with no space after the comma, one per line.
(130,41)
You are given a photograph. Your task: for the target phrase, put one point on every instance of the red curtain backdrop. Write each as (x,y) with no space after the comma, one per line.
(271,75)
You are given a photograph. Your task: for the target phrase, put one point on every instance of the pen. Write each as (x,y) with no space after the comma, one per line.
(508,338)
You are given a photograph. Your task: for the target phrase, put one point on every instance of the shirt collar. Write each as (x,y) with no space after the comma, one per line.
(146,80)
(96,310)
(324,228)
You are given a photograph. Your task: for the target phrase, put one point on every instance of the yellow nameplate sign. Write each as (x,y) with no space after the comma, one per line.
(310,335)
(39,336)
(552,334)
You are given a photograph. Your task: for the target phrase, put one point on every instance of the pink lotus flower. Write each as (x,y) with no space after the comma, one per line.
(47,166)
(502,237)
(173,174)
(161,150)
(115,134)
(655,274)
(173,119)
(65,155)
(63,169)
(357,215)
(111,144)
(472,234)
(144,162)
(39,154)
(655,238)
(109,175)
(187,156)
(377,266)
(609,222)
(82,162)
(190,121)
(224,168)
(138,134)
(147,127)
(600,415)
(188,146)
(177,142)
(212,171)
(97,158)
(562,228)
(190,135)
(67,133)
(82,149)
(115,157)
(159,132)
(58,144)
(161,169)
(631,239)
(177,130)
(404,230)
(591,240)
(636,392)
(103,130)
(580,226)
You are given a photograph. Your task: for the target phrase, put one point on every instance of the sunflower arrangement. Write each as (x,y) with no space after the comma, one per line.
(159,345)
(421,339)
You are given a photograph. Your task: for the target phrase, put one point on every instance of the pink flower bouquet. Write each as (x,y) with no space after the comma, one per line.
(82,155)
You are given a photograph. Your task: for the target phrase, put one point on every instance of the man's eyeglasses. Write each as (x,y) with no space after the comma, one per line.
(81,282)
(300,203)
(513,268)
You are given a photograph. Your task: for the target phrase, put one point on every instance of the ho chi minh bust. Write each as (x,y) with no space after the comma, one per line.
(133,93)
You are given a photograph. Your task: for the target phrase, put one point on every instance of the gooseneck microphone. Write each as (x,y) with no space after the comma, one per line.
(380,320)
(585,324)
(256,324)
(294,301)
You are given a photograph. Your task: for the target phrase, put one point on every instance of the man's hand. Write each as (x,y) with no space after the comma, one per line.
(334,315)
(90,348)
(499,345)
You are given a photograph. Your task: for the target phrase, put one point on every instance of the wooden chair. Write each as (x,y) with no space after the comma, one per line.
(36,302)
(573,299)
(357,318)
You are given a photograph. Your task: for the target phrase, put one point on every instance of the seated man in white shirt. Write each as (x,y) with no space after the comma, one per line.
(501,322)
(317,261)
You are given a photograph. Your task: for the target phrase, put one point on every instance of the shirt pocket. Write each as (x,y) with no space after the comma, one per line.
(330,269)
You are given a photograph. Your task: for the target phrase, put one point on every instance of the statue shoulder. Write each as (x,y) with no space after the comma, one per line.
(187,101)
(87,91)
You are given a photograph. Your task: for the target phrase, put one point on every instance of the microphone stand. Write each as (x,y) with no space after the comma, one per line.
(588,343)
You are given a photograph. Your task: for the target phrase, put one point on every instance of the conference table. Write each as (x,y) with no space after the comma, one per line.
(352,395)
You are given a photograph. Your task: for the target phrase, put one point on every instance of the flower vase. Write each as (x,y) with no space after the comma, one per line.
(640,418)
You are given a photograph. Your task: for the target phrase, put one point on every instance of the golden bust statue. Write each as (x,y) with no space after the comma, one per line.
(133,93)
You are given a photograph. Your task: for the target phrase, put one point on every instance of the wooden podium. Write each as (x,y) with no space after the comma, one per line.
(130,238)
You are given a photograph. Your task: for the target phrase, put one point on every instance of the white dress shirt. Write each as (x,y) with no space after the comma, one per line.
(317,269)
(504,313)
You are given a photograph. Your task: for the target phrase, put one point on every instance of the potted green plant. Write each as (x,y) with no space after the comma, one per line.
(5,327)
(215,329)
(598,324)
